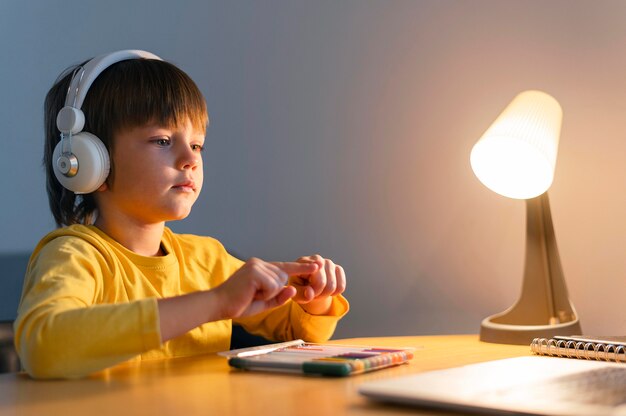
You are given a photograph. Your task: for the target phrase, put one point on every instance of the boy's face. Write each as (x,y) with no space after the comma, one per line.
(157,173)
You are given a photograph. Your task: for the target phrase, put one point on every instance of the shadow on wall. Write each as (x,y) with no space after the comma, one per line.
(12,269)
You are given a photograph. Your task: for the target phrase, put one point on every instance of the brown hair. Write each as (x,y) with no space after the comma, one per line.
(128,94)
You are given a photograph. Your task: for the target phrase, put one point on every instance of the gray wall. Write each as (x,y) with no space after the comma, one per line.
(344,128)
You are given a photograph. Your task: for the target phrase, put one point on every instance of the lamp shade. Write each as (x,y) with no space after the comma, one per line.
(516,156)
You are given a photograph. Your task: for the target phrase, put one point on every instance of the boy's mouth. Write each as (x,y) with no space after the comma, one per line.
(188,186)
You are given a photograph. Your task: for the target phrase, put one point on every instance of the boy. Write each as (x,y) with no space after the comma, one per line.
(114,283)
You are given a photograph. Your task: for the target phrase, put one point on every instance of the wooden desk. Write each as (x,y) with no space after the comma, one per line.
(207,385)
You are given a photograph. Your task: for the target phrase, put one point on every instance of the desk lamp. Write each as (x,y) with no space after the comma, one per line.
(516,158)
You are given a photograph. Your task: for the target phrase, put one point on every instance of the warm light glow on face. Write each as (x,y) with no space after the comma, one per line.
(516,156)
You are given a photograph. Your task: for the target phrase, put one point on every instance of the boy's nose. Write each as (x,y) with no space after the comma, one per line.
(189,159)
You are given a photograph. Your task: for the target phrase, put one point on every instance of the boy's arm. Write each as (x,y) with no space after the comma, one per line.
(59,332)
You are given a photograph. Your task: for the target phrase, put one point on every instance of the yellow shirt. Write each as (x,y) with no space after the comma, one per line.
(89,303)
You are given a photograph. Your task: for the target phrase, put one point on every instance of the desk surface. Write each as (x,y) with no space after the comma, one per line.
(207,385)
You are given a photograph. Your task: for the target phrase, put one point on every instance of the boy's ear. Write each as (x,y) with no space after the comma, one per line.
(103,187)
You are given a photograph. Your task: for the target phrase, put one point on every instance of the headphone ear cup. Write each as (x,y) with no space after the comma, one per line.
(93,164)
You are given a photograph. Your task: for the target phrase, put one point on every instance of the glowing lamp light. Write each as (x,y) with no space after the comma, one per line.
(516,158)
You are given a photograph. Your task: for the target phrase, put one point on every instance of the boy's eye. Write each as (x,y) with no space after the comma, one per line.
(162,141)
(197,147)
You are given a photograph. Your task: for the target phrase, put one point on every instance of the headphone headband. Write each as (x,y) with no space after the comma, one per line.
(69,119)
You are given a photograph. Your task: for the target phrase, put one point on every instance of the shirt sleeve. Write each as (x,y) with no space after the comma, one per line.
(60,332)
(290,321)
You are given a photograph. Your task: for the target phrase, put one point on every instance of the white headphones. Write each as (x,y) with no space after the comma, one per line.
(80,160)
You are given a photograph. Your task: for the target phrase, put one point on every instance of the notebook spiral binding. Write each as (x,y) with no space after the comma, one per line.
(578,349)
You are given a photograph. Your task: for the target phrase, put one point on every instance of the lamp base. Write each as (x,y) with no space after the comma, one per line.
(499,333)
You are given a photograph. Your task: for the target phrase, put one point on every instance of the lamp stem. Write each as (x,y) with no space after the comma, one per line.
(555,285)
(543,308)
(544,298)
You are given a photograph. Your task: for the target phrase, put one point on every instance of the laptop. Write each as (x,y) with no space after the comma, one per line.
(534,385)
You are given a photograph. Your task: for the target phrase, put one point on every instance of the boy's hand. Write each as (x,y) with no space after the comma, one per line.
(259,285)
(316,289)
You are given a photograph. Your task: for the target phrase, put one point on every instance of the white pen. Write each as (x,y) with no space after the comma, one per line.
(262,349)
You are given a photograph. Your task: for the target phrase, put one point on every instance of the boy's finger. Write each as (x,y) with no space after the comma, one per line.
(284,295)
(304,293)
(268,288)
(293,268)
(330,284)
(341,281)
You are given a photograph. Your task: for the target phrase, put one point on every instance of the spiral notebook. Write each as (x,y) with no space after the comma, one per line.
(317,359)
(603,348)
